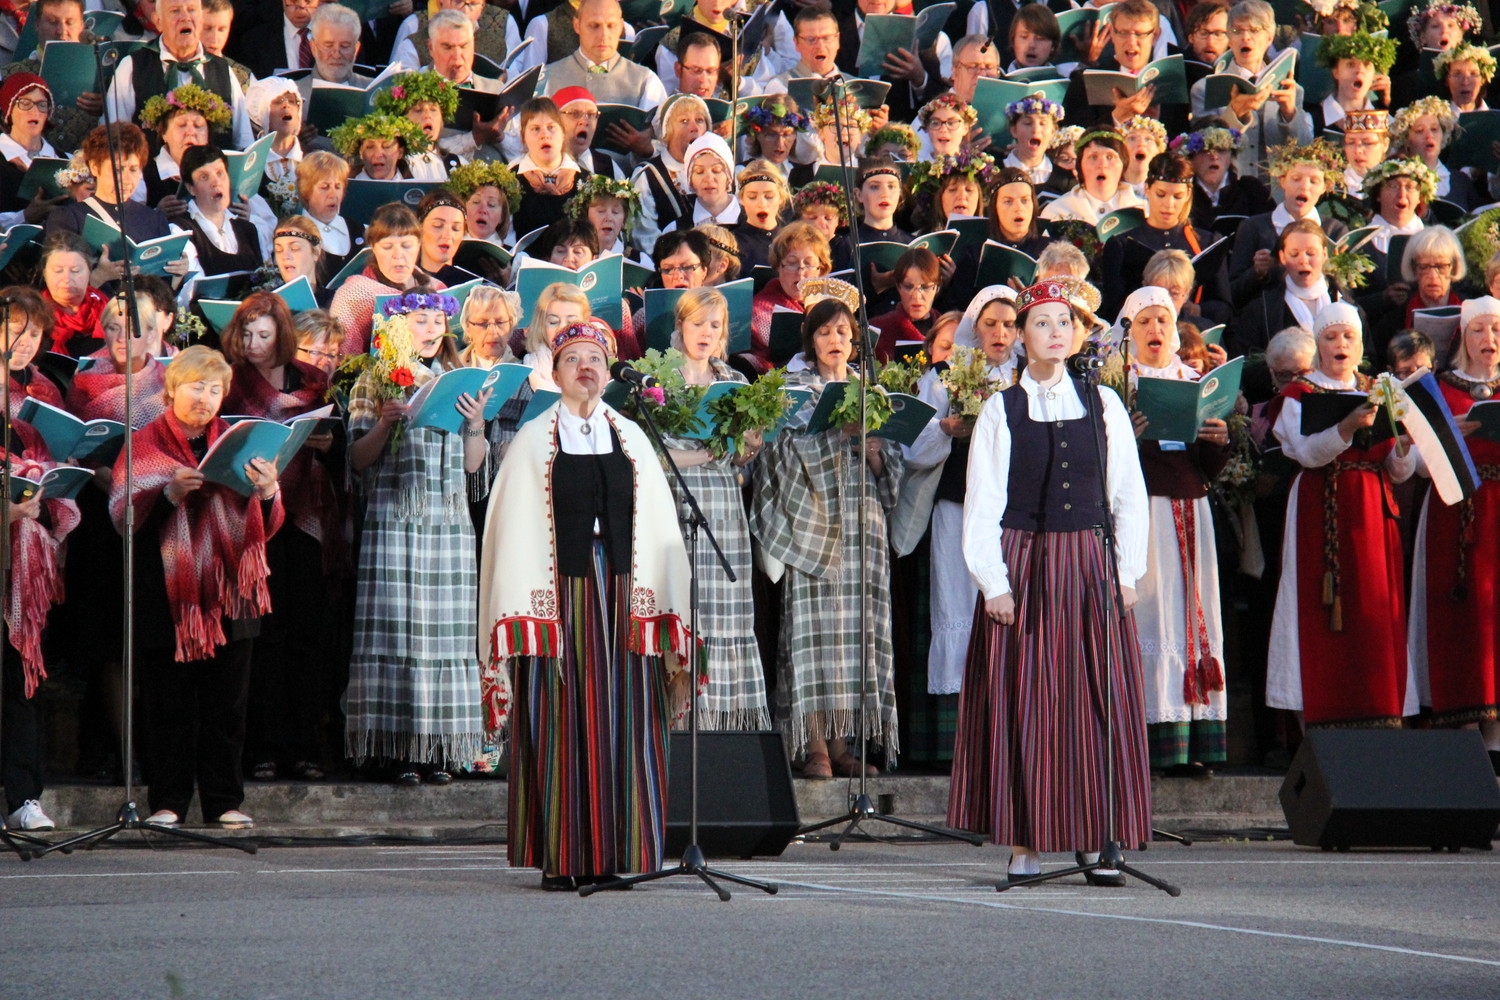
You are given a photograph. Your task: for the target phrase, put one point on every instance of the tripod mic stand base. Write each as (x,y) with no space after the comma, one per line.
(1112,858)
(18,842)
(129,818)
(863,809)
(692,863)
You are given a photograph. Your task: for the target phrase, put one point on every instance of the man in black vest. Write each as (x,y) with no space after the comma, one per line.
(175,59)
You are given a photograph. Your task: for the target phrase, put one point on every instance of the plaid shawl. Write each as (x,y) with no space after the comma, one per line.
(36,578)
(98,393)
(312,502)
(213,544)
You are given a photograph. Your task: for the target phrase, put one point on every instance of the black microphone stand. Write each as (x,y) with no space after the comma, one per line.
(693,861)
(1111,856)
(12,839)
(129,817)
(861,808)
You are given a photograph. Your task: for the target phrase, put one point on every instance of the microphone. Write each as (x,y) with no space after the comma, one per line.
(1084,362)
(624,371)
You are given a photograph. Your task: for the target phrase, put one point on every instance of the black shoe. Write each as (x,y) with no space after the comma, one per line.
(1013,877)
(559,883)
(409,779)
(1193,770)
(439,778)
(1105,879)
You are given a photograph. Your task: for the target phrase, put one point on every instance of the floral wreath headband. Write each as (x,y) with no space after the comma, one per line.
(1437,107)
(1319,153)
(411,89)
(1465,52)
(355,132)
(72,174)
(855,116)
(188,97)
(599,186)
(901,135)
(1034,104)
(1426,178)
(1067,137)
(1140,123)
(1208,140)
(759,117)
(1366,121)
(1467,17)
(822,193)
(953,103)
(928,175)
(589,332)
(1376,50)
(411,302)
(466,178)
(1098,133)
(1368,17)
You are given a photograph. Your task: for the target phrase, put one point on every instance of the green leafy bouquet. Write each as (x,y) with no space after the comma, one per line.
(757,407)
(674,404)
(877,407)
(968,382)
(903,376)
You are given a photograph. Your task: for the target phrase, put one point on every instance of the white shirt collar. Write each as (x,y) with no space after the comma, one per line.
(12,150)
(729,217)
(527,163)
(166,167)
(1333,112)
(1281,218)
(1039,174)
(221,236)
(577,436)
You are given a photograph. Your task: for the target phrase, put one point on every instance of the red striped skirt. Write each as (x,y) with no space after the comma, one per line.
(588,773)
(1029,761)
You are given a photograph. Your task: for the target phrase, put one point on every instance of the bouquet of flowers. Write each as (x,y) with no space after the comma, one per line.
(757,407)
(1236,483)
(187,329)
(674,404)
(388,366)
(903,376)
(968,382)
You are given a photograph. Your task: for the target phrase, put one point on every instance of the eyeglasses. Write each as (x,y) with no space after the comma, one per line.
(926,289)
(818,39)
(800,267)
(1441,267)
(983,68)
(681,270)
(1205,33)
(1139,36)
(1246,30)
(581,116)
(319,355)
(27,104)
(489,324)
(944,124)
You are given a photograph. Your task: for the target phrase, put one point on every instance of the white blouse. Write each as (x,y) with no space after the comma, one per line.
(1317,450)
(989,470)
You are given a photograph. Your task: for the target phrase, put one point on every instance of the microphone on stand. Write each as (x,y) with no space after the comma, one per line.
(1085,362)
(624,371)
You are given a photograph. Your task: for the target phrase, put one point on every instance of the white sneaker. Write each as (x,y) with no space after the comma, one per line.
(30,817)
(235,820)
(164,817)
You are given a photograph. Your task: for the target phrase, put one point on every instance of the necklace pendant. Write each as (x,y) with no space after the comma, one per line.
(586,430)
(1481,391)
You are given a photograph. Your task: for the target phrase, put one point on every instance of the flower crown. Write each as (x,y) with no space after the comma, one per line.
(422,87)
(928,175)
(1208,140)
(822,193)
(855,116)
(188,97)
(1098,133)
(953,103)
(759,117)
(1368,17)
(1140,123)
(466,178)
(1465,52)
(901,135)
(1437,107)
(1033,104)
(1067,136)
(1467,17)
(1426,178)
(1376,50)
(599,186)
(820,288)
(400,305)
(1319,153)
(74,173)
(355,132)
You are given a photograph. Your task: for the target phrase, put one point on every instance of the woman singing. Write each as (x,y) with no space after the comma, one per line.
(590,614)
(1029,761)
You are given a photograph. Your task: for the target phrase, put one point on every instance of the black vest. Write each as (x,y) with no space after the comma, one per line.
(1054,480)
(150,80)
(215,261)
(589,488)
(953,481)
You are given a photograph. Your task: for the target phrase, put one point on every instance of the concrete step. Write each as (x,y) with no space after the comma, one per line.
(475,809)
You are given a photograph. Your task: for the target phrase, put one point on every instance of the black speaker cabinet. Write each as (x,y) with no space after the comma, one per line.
(746,806)
(1391,788)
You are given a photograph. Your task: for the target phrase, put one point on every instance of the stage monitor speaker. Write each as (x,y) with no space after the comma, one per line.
(1391,788)
(746,806)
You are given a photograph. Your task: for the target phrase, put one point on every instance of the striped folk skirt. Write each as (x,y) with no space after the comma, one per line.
(588,773)
(1029,762)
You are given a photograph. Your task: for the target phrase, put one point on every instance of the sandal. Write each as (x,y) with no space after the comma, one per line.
(817,766)
(264,771)
(847,766)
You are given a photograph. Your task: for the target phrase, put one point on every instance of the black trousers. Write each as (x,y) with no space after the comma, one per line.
(196,728)
(20,735)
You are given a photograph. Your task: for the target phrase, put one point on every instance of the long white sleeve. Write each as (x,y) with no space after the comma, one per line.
(933,445)
(985,498)
(1126,485)
(1311,451)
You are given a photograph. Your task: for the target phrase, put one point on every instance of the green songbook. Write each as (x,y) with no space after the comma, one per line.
(250,439)
(661,319)
(1168,75)
(999,263)
(70,439)
(41,176)
(71,70)
(150,257)
(601,280)
(1176,409)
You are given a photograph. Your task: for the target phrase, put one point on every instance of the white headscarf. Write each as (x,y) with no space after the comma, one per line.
(708,142)
(966,335)
(1337,314)
(260,94)
(1472,309)
(1144,298)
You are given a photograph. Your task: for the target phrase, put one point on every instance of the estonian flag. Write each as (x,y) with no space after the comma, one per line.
(1433,431)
